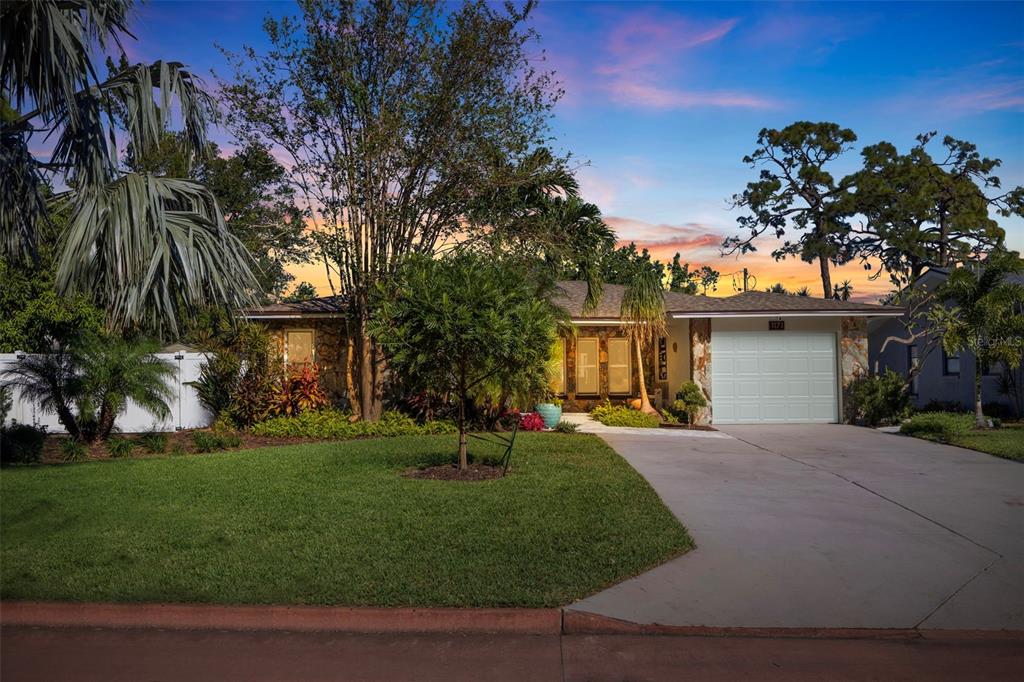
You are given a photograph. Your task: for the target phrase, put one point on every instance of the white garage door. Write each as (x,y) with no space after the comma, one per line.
(773,377)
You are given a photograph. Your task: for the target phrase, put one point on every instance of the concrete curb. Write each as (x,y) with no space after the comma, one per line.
(585,623)
(363,620)
(285,618)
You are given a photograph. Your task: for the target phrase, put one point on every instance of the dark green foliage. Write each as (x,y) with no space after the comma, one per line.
(796,191)
(334,523)
(118,221)
(6,401)
(940,426)
(21,443)
(408,117)
(458,323)
(879,399)
(207,441)
(154,442)
(88,382)
(259,207)
(303,291)
(335,425)
(32,314)
(566,427)
(619,415)
(689,400)
(120,447)
(241,375)
(73,450)
(984,316)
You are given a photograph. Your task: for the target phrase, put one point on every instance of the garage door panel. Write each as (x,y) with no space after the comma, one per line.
(773,377)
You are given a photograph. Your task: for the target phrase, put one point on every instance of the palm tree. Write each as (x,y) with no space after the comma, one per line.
(986,317)
(89,382)
(643,319)
(151,249)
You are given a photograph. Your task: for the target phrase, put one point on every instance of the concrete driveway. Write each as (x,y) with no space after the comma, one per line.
(828,526)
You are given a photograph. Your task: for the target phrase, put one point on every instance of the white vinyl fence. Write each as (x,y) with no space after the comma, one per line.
(186,410)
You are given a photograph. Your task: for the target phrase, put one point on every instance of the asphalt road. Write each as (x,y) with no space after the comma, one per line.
(53,654)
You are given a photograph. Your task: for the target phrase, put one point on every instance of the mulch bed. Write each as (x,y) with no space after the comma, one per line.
(691,427)
(53,454)
(450,472)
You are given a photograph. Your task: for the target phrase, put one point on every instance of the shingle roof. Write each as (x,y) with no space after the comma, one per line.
(324,305)
(573,294)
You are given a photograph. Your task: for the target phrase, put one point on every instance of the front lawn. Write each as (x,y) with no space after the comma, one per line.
(958,429)
(333,523)
(1007,441)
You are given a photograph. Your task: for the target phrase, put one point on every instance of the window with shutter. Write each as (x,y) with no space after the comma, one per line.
(619,377)
(558,368)
(587,373)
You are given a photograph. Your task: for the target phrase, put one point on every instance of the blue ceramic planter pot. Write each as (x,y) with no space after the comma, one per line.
(551,414)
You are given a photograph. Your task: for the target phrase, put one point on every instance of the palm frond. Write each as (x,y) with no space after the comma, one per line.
(44,49)
(154,250)
(643,306)
(22,205)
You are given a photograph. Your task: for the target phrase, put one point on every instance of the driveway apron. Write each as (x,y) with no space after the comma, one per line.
(827,526)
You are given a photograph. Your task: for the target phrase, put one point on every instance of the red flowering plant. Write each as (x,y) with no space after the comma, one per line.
(531,421)
(300,391)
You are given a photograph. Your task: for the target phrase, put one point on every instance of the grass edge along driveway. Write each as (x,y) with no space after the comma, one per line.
(333,523)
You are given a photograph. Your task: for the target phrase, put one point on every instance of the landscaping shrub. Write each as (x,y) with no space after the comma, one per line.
(300,392)
(997,411)
(566,427)
(334,424)
(120,447)
(618,415)
(241,378)
(207,441)
(943,406)
(531,421)
(21,444)
(940,426)
(154,442)
(879,399)
(73,450)
(689,400)
(670,417)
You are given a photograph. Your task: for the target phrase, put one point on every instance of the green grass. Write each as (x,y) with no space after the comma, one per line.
(1007,442)
(333,523)
(958,429)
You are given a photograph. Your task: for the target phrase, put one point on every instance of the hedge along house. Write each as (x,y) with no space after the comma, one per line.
(758,357)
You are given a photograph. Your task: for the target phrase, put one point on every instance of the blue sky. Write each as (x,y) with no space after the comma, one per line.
(663,100)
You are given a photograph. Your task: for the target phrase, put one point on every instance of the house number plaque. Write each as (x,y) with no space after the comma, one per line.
(776,325)
(662,359)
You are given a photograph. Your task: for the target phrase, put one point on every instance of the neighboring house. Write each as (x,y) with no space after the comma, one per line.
(759,357)
(941,378)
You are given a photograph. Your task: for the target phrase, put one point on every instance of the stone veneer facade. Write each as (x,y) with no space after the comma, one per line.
(853,355)
(329,348)
(571,402)
(700,363)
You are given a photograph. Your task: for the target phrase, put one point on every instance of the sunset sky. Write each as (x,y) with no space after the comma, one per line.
(664,100)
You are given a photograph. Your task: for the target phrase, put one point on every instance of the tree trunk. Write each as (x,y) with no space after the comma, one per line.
(105,423)
(645,402)
(826,277)
(350,382)
(370,407)
(463,455)
(979,414)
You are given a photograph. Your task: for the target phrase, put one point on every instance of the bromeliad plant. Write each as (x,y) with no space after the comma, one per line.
(300,392)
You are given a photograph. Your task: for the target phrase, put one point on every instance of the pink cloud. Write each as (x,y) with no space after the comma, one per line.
(1002,96)
(644,40)
(657,97)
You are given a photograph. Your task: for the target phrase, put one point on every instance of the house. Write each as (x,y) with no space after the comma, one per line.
(759,357)
(941,378)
